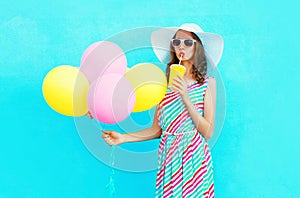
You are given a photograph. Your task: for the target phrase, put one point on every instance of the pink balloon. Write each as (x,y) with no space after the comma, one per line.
(111,98)
(102,58)
(88,51)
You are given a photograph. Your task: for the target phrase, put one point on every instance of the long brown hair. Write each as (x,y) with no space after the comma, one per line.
(198,60)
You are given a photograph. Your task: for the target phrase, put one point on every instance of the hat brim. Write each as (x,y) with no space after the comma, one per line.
(213,45)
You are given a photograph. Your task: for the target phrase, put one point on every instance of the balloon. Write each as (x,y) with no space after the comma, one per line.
(65,89)
(150,85)
(102,58)
(88,51)
(111,98)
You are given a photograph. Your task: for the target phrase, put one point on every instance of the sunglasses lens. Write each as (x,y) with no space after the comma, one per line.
(176,42)
(188,42)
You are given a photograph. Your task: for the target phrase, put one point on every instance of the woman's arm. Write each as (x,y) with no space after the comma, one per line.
(147,134)
(203,124)
(115,138)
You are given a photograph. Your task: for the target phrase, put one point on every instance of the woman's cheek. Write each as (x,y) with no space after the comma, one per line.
(190,54)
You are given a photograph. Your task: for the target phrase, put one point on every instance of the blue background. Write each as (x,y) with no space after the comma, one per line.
(257,152)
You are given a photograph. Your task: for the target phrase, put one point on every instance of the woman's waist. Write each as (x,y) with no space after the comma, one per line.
(185,132)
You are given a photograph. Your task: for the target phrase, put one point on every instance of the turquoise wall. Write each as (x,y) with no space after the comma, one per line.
(256,154)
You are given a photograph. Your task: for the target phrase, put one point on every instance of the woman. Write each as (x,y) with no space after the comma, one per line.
(184,119)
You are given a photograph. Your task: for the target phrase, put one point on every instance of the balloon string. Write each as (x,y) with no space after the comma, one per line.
(111,185)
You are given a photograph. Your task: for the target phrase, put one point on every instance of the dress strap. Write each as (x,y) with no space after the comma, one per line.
(208,77)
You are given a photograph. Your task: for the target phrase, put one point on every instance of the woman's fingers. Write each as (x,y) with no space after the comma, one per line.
(177,81)
(177,85)
(174,88)
(180,77)
(108,142)
(105,131)
(106,134)
(107,137)
(180,82)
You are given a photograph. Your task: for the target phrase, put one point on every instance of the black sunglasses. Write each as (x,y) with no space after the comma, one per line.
(187,42)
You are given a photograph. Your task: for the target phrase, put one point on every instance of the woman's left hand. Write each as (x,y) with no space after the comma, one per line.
(179,85)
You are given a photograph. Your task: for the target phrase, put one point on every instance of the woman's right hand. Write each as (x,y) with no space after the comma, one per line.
(112,137)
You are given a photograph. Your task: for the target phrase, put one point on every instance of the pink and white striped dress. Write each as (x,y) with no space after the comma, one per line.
(185,166)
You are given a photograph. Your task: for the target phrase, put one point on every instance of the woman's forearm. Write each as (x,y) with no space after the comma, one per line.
(202,125)
(145,134)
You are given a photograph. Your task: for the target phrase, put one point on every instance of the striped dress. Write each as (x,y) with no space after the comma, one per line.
(185,166)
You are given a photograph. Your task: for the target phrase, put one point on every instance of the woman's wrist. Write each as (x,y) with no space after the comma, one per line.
(124,138)
(185,98)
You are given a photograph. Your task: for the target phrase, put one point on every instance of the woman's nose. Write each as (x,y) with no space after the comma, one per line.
(181,46)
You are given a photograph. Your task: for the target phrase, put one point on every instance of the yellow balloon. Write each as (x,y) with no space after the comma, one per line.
(150,85)
(65,90)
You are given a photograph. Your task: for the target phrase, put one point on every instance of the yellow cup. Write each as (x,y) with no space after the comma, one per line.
(175,69)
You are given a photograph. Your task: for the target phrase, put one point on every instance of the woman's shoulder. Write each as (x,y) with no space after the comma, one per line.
(207,80)
(210,79)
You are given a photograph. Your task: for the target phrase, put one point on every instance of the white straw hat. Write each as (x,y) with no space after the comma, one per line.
(213,44)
